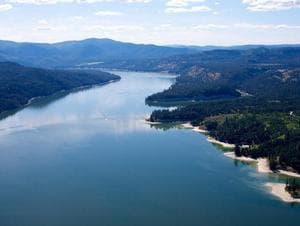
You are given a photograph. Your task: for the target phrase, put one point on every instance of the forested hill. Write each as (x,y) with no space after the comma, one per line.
(84,52)
(220,73)
(265,115)
(19,84)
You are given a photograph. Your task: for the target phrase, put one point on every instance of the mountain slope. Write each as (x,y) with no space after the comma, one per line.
(263,122)
(19,84)
(72,53)
(220,73)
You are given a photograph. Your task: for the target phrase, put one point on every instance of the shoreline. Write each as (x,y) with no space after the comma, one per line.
(193,128)
(209,138)
(278,190)
(33,100)
(262,163)
(152,123)
(223,144)
(262,166)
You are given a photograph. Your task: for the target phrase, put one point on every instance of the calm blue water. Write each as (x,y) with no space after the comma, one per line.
(88,158)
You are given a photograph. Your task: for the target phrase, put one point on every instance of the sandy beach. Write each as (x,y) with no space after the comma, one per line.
(194,128)
(278,190)
(263,166)
(242,158)
(198,130)
(152,123)
(214,141)
(187,125)
(261,163)
(288,173)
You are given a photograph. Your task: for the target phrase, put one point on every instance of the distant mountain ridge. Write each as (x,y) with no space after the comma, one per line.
(71,53)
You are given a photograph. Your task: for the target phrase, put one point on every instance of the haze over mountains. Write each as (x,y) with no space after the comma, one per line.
(72,53)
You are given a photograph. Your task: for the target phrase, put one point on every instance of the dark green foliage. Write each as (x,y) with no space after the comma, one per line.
(237,150)
(220,74)
(19,84)
(245,129)
(265,117)
(293,188)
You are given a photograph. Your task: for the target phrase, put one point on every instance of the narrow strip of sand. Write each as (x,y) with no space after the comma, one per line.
(194,128)
(261,163)
(263,166)
(152,123)
(278,190)
(242,158)
(214,141)
(288,173)
(187,125)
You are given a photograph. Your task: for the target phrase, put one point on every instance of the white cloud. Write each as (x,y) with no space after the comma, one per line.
(5,7)
(76,18)
(271,5)
(115,28)
(182,3)
(43,26)
(51,2)
(245,26)
(193,9)
(266,26)
(186,6)
(108,13)
(211,26)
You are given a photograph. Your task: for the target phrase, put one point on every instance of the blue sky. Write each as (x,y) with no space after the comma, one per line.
(193,22)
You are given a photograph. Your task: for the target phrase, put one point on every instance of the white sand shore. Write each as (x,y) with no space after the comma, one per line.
(261,163)
(288,173)
(242,158)
(187,126)
(194,128)
(198,130)
(263,166)
(214,141)
(278,190)
(152,123)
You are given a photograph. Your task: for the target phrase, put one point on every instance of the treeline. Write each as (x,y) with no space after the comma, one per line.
(19,84)
(199,111)
(264,116)
(218,74)
(273,135)
(268,132)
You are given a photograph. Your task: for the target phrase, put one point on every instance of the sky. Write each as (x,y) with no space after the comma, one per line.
(162,22)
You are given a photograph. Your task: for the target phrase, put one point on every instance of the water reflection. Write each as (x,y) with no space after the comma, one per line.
(118,106)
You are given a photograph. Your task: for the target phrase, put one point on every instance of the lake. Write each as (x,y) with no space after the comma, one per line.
(89,158)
